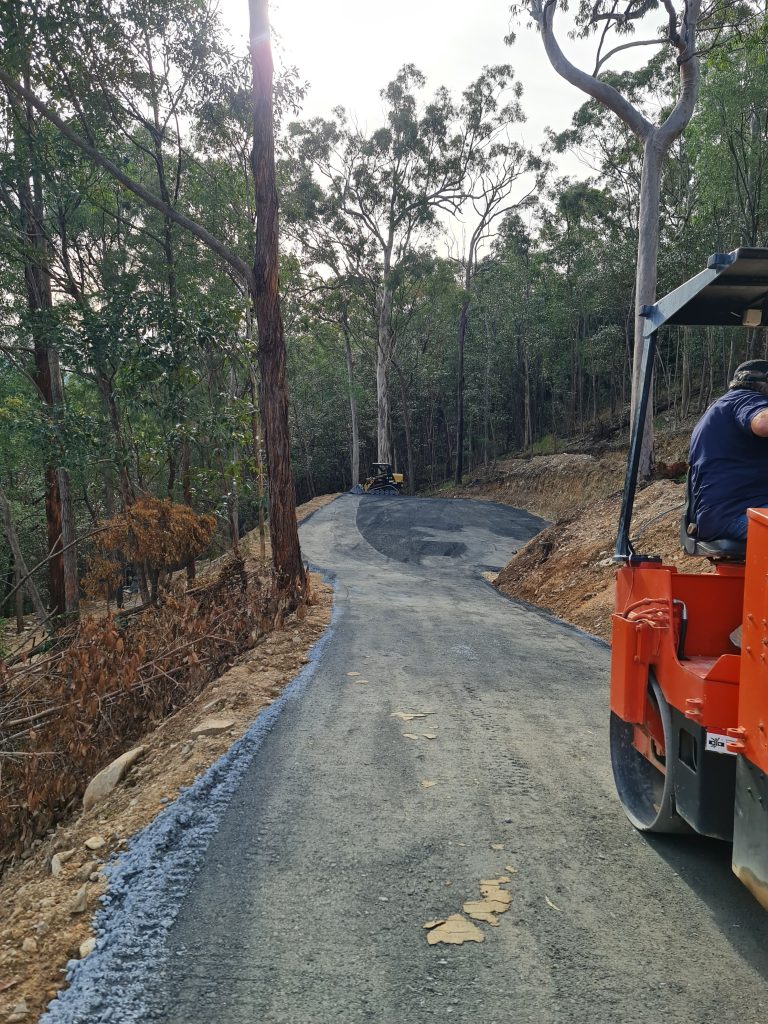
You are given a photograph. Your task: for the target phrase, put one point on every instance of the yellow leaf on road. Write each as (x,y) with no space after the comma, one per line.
(502,880)
(552,905)
(433,924)
(455,930)
(497,846)
(493,892)
(353,673)
(510,869)
(410,735)
(429,735)
(480,910)
(426,784)
(408,716)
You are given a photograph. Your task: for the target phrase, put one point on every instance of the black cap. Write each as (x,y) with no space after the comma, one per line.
(754,369)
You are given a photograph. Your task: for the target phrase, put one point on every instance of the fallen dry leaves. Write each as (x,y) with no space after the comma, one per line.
(454,930)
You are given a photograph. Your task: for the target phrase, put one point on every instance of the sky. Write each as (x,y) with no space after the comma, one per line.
(349,49)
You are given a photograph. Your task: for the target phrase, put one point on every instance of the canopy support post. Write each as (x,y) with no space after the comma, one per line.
(624,551)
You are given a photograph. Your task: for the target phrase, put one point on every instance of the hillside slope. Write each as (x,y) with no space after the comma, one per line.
(567,568)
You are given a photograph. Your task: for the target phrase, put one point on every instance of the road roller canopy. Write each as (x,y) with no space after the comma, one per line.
(731,292)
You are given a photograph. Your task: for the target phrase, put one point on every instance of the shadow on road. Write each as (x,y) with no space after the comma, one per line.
(705,867)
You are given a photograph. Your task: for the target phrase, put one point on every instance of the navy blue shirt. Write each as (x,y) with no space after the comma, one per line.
(729,464)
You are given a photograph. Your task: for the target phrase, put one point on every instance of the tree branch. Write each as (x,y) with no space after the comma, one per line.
(602,92)
(144,194)
(626,46)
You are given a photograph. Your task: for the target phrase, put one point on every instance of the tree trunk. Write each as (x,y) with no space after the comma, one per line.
(257,458)
(18,560)
(47,375)
(186,491)
(383,359)
(263,286)
(19,602)
(410,481)
(233,502)
(71,585)
(353,412)
(462,335)
(645,280)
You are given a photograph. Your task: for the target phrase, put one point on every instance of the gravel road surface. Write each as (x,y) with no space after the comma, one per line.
(331,854)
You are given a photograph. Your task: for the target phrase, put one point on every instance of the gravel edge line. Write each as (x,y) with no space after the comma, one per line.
(148,880)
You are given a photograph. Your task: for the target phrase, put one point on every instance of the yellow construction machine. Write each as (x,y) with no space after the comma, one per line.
(383,480)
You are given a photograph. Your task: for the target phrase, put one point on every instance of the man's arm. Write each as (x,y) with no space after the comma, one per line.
(759,424)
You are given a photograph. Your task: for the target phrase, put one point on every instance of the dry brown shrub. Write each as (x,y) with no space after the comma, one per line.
(68,711)
(158,534)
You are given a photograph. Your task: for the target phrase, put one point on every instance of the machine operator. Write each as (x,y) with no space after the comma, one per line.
(729,456)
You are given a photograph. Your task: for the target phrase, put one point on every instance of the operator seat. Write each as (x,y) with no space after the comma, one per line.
(723,550)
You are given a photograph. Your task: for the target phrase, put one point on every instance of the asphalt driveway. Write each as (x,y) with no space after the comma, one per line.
(351,827)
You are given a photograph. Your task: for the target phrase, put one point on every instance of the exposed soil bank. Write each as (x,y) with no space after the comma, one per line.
(567,568)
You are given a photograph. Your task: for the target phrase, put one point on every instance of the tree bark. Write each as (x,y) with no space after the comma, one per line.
(355,458)
(645,278)
(462,335)
(264,289)
(258,461)
(383,362)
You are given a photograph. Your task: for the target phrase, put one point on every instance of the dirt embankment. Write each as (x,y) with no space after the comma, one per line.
(567,569)
(45,918)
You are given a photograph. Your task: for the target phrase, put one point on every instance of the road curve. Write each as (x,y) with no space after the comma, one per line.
(331,855)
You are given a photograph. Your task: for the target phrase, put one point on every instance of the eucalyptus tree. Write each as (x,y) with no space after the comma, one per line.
(500,164)
(613,25)
(22,211)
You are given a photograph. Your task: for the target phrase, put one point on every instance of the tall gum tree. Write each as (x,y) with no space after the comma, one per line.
(610,21)
(385,190)
(259,277)
(500,164)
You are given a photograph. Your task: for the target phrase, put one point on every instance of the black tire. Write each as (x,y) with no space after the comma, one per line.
(647,794)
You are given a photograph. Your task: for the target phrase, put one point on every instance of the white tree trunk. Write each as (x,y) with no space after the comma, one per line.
(645,280)
(383,361)
(353,414)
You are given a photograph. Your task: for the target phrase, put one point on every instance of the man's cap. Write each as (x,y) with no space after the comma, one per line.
(753,369)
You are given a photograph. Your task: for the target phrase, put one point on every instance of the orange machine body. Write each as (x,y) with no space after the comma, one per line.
(679,626)
(752,740)
(675,629)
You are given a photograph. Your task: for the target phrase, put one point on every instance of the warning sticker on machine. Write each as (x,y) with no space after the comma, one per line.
(716,741)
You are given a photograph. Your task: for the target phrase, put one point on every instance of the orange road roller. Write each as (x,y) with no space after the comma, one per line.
(689,708)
